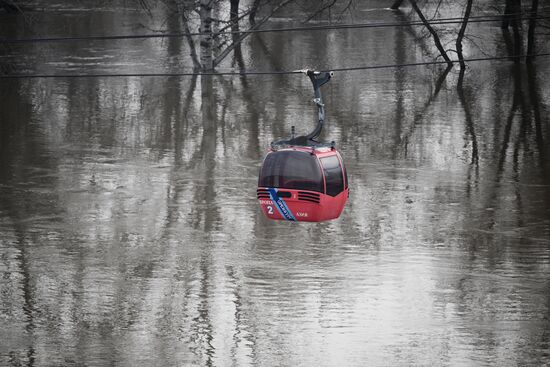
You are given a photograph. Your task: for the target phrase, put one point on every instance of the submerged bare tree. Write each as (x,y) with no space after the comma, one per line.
(432,31)
(429,27)
(511,18)
(224,24)
(516,16)
(219,37)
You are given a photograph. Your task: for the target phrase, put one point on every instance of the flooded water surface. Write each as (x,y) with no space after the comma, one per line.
(130,233)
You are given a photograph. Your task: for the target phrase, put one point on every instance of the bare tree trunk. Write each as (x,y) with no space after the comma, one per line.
(396,4)
(242,36)
(205,13)
(252,16)
(531,32)
(511,11)
(461,34)
(506,16)
(234,10)
(237,52)
(508,42)
(190,42)
(432,32)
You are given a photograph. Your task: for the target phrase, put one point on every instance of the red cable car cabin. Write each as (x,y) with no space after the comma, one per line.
(302,179)
(303,184)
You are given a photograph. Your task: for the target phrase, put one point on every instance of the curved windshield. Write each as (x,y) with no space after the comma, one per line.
(291,169)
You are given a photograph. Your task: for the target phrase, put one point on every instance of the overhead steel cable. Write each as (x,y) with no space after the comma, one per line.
(440,21)
(253,73)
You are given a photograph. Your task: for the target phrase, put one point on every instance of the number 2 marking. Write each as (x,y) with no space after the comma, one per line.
(269,209)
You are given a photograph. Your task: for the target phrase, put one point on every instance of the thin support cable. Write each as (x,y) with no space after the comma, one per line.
(259,73)
(440,21)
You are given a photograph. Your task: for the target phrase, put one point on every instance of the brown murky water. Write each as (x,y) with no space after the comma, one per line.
(130,232)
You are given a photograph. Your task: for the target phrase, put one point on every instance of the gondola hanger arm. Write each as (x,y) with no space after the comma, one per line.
(318,79)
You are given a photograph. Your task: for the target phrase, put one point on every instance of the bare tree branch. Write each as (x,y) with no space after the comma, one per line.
(190,41)
(432,32)
(253,10)
(461,33)
(321,10)
(240,38)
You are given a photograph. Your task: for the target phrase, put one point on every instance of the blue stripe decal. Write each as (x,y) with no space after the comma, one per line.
(280,204)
